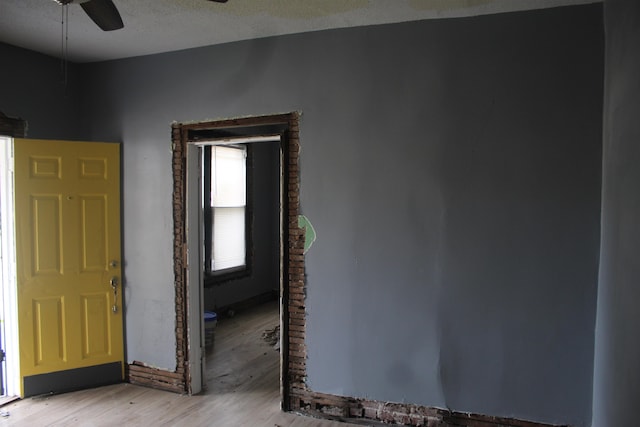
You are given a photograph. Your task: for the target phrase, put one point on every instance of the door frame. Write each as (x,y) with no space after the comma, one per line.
(9,297)
(188,286)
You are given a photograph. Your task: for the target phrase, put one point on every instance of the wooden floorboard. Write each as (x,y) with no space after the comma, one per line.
(242,374)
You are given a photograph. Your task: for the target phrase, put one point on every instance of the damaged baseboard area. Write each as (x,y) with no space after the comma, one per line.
(141,374)
(376,413)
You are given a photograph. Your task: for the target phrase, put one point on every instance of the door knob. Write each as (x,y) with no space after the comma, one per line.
(114,284)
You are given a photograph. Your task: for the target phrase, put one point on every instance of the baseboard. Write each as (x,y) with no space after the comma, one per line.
(140,374)
(358,410)
(72,379)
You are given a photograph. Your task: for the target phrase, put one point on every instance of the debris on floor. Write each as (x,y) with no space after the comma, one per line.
(272,337)
(4,414)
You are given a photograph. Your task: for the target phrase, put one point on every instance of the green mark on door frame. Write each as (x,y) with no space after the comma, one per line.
(309,232)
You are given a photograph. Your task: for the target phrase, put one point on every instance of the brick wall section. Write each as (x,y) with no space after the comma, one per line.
(294,348)
(137,372)
(179,136)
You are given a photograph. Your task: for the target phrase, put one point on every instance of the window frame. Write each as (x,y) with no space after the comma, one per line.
(233,273)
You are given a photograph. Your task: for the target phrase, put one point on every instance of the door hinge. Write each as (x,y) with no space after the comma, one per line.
(2,354)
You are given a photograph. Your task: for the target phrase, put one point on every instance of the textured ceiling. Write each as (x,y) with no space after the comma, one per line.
(153,26)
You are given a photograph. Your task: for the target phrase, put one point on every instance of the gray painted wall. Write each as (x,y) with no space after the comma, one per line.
(457,252)
(32,87)
(617,356)
(452,172)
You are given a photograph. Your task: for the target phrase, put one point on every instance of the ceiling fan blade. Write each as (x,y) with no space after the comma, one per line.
(219,1)
(104,13)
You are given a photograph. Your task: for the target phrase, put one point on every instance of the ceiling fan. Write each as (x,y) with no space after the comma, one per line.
(103,12)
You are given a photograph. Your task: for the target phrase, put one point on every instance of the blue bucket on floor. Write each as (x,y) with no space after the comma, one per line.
(210,321)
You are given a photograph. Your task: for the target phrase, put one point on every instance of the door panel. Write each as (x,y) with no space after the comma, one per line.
(48,328)
(67,203)
(46,243)
(93,229)
(95,325)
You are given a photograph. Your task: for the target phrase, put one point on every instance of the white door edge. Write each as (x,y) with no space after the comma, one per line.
(8,297)
(195,302)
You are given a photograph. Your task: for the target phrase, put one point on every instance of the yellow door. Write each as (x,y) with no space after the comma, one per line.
(67,205)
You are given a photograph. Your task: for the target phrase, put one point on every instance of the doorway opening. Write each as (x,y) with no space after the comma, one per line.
(241,219)
(188,140)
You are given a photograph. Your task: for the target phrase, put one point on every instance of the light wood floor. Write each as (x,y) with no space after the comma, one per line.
(243,390)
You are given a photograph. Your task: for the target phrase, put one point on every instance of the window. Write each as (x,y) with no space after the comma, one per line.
(225,210)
